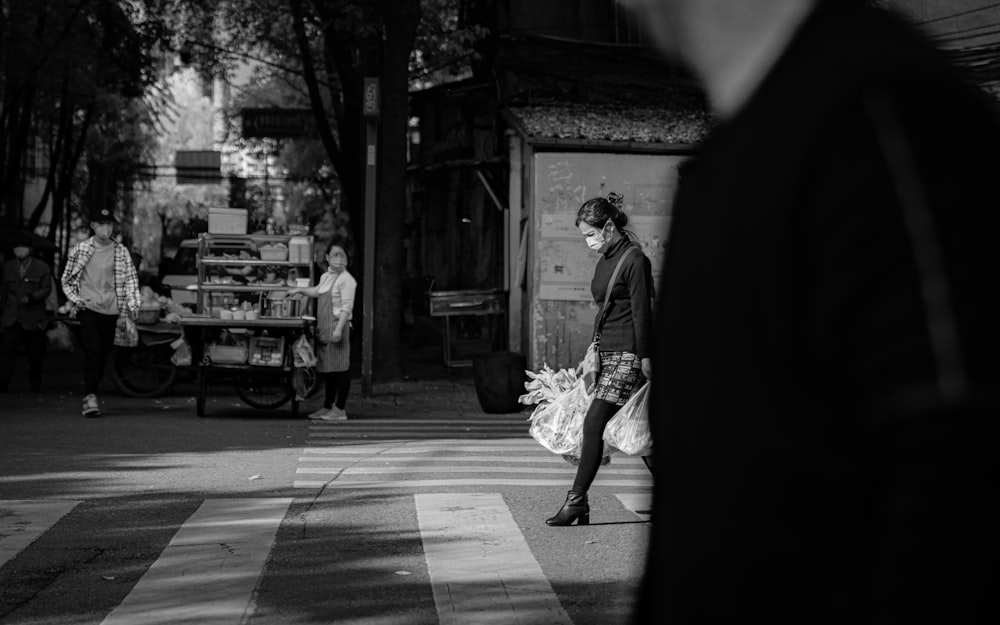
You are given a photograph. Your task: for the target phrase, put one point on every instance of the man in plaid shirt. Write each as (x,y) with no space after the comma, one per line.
(101,281)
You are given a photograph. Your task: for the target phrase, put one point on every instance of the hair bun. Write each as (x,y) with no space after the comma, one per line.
(615,199)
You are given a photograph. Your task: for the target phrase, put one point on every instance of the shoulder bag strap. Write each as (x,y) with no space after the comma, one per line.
(941,325)
(607,294)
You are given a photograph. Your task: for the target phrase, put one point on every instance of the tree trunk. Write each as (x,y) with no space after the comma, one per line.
(59,139)
(401,18)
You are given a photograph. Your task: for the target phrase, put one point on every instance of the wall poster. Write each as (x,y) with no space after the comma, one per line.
(563,265)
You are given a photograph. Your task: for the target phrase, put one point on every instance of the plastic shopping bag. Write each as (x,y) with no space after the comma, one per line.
(126,333)
(303,354)
(558,425)
(628,431)
(60,338)
(303,382)
(182,353)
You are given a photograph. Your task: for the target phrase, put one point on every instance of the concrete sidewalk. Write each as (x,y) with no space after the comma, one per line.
(427,390)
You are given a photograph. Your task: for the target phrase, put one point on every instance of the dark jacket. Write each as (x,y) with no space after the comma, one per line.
(807,468)
(628,326)
(35,284)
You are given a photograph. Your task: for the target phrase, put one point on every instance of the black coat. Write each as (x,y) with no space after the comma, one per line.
(807,467)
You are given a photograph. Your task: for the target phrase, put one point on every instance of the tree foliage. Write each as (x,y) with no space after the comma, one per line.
(75,110)
(320,52)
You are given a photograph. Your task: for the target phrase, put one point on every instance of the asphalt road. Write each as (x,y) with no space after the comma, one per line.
(420,509)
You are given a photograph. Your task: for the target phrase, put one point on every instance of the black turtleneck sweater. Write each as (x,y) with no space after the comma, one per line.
(628,326)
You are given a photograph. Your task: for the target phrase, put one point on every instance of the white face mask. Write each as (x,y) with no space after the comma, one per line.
(337,260)
(597,241)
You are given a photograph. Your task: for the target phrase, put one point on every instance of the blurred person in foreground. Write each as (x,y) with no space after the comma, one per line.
(100,281)
(25,286)
(825,414)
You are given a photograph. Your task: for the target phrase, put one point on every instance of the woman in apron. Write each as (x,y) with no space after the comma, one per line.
(335,305)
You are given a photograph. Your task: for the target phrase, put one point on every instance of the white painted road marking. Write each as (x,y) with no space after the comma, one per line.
(345,461)
(366,470)
(482,571)
(641,504)
(486,481)
(23,521)
(376,422)
(414,447)
(208,573)
(451,458)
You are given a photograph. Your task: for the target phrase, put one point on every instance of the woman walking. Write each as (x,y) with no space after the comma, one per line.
(335,305)
(623,283)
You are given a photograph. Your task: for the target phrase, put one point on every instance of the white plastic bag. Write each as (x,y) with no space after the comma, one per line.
(59,337)
(303,354)
(126,332)
(182,353)
(628,431)
(558,425)
(546,385)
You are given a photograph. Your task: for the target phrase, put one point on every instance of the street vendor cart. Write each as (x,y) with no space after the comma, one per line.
(245,326)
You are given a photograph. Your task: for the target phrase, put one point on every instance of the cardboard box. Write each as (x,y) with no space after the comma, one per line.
(227,220)
(267,351)
(299,250)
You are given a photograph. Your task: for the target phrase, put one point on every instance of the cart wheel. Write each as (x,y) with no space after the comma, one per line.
(305,382)
(143,371)
(264,393)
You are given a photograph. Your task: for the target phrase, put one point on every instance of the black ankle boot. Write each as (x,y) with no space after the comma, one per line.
(576,509)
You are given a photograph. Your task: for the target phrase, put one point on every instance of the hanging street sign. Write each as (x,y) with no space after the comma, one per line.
(370,104)
(275,122)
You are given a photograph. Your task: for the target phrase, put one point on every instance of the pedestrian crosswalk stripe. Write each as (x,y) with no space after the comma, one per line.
(365,470)
(22,521)
(382,447)
(208,573)
(486,481)
(480,566)
(368,423)
(641,504)
(382,435)
(454,458)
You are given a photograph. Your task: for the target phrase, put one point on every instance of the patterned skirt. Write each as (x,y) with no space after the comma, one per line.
(620,376)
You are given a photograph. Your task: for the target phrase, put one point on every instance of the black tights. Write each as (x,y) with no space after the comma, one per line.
(592,449)
(338,384)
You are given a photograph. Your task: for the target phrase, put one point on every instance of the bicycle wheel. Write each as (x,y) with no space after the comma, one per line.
(263,392)
(305,382)
(143,371)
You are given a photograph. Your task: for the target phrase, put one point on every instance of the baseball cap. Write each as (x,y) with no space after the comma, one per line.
(103,214)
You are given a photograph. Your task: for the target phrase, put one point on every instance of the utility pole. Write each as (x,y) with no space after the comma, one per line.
(370,111)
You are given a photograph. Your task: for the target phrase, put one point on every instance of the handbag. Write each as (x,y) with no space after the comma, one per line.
(628,431)
(590,367)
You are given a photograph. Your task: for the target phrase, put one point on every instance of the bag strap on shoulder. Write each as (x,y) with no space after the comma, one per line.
(607,294)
